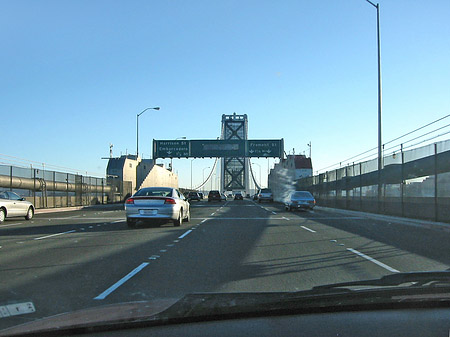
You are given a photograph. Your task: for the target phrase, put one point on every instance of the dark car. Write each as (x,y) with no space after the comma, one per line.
(214,195)
(193,196)
(238,196)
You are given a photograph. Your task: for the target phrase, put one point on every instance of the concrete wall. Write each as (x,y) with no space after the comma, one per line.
(159,176)
(142,171)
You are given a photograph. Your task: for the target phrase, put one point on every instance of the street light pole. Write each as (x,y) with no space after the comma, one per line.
(191,171)
(380,150)
(203,177)
(137,128)
(380,146)
(259,173)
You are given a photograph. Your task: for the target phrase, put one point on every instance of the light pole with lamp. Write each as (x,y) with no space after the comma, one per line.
(137,128)
(203,178)
(380,150)
(191,171)
(259,173)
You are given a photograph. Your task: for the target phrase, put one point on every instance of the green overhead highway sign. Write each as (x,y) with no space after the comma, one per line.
(264,148)
(171,148)
(235,148)
(218,148)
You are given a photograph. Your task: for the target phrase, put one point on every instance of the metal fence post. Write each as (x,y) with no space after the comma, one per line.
(360,187)
(67,190)
(103,191)
(436,207)
(54,189)
(335,187)
(402,183)
(34,187)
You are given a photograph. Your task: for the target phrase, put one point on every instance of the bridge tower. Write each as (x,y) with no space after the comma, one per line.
(234,171)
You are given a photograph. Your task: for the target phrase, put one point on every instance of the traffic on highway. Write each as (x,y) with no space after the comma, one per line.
(67,262)
(225,168)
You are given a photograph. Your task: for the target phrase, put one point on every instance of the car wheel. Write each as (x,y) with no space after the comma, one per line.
(188,216)
(131,223)
(30,214)
(2,215)
(179,221)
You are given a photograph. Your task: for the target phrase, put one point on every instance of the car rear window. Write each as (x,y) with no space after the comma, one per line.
(266,190)
(163,192)
(302,194)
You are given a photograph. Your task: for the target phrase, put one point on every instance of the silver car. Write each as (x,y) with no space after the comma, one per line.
(13,205)
(157,204)
(265,194)
(300,200)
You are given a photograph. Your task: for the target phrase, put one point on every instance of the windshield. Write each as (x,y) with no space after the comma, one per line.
(154,149)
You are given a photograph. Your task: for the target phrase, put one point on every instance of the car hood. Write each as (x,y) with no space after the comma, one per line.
(107,314)
(422,289)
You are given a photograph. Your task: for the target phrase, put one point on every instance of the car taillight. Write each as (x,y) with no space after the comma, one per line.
(170,201)
(130,201)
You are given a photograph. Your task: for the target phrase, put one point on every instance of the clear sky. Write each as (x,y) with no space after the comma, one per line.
(74,74)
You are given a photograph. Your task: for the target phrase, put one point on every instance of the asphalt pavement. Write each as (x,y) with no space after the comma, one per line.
(66,261)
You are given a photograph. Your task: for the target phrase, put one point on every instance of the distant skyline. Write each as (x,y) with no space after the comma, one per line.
(76,73)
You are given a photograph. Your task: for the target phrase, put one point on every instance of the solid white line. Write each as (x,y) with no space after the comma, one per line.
(274,212)
(308,229)
(49,236)
(337,218)
(82,218)
(182,236)
(223,218)
(371,259)
(108,291)
(14,224)
(117,221)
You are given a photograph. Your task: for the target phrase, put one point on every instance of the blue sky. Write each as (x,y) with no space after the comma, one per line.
(74,74)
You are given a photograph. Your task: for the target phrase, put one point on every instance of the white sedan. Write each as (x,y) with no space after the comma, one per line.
(13,205)
(157,204)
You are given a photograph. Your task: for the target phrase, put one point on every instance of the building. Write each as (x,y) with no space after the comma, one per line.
(130,173)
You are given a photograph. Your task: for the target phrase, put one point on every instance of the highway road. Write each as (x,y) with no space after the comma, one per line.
(67,261)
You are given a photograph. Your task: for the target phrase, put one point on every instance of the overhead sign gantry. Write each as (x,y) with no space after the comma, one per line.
(223,148)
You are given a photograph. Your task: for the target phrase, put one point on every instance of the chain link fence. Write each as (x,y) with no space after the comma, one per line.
(47,189)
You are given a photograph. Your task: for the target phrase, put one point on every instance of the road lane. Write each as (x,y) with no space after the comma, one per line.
(228,246)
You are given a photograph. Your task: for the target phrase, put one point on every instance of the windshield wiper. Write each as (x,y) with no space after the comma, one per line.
(431,278)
